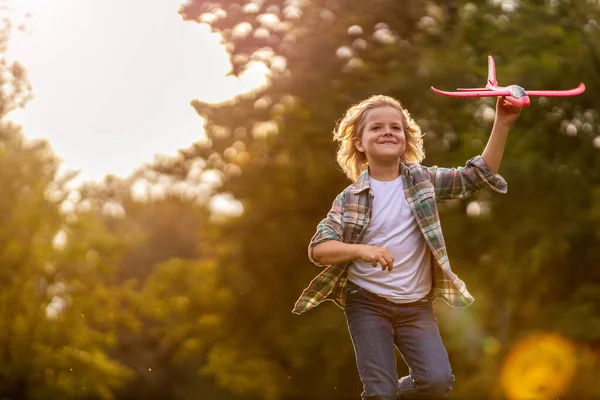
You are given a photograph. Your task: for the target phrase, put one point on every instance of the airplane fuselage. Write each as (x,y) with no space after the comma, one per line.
(518,97)
(513,95)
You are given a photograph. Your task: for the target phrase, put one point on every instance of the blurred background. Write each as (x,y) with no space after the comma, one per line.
(163,166)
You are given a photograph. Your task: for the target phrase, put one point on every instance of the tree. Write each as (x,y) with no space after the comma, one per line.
(58,296)
(15,89)
(58,301)
(274,149)
(171,282)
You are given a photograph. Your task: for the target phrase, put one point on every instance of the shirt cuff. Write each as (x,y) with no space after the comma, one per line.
(493,180)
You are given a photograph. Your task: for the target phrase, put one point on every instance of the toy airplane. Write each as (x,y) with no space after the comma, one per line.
(514,95)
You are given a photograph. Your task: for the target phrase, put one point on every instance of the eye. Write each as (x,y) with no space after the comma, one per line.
(375,127)
(398,127)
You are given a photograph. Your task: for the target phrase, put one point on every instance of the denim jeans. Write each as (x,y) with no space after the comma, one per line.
(376,325)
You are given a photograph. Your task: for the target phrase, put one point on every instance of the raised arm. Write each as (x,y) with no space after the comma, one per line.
(480,172)
(505,117)
(462,182)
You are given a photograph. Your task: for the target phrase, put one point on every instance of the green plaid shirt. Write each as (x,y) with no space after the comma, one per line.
(351,211)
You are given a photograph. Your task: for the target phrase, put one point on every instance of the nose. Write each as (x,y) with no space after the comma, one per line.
(388,131)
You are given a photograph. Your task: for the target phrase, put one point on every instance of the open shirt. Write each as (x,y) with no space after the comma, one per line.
(351,212)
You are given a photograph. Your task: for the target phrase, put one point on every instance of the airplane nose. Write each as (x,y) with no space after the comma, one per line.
(522,102)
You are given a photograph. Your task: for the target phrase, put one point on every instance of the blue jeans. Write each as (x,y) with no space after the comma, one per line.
(376,325)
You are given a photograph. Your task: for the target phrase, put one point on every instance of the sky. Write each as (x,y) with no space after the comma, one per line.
(113,80)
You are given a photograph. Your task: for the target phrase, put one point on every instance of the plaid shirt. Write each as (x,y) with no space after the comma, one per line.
(351,212)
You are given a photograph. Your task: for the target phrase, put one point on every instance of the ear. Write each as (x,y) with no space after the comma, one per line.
(358,144)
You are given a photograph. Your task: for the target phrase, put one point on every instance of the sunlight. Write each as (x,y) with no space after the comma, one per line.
(112,84)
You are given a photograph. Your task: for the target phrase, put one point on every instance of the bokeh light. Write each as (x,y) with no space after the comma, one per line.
(539,367)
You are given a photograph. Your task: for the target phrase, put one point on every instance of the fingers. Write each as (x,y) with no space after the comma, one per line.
(389,259)
(383,258)
(506,109)
(384,263)
(508,105)
(377,256)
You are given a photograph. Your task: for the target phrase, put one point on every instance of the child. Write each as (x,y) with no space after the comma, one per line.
(383,248)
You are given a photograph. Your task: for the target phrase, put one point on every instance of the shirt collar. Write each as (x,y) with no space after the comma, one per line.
(362,183)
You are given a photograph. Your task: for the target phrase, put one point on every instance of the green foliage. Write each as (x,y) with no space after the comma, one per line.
(181,307)
(58,301)
(109,294)
(522,256)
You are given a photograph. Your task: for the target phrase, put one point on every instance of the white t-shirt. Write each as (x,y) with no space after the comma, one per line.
(394,227)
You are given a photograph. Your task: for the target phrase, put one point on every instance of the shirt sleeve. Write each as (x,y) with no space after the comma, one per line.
(462,182)
(330,228)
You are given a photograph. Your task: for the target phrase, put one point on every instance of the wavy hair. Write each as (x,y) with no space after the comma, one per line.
(352,161)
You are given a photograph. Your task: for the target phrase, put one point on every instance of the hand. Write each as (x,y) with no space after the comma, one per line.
(505,113)
(375,255)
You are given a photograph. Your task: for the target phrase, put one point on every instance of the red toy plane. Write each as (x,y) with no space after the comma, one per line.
(514,95)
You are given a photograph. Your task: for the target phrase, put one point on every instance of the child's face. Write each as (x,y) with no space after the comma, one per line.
(383,137)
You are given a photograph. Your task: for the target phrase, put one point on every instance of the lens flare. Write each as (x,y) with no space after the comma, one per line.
(539,367)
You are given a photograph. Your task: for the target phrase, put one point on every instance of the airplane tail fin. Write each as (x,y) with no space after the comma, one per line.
(491,72)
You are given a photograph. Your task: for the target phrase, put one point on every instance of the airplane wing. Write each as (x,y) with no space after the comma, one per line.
(473,92)
(554,93)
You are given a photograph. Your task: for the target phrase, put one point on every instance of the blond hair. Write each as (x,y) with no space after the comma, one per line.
(352,161)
